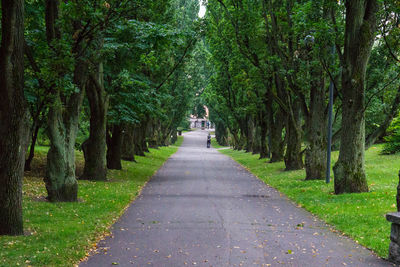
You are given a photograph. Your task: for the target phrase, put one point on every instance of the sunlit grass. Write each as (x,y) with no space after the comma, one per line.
(60,234)
(360,216)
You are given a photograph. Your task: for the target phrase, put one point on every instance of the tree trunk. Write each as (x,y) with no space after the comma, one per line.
(316,134)
(256,146)
(114,147)
(249,132)
(60,180)
(293,156)
(63,120)
(275,131)
(35,133)
(153,136)
(140,140)
(360,33)
(174,137)
(128,143)
(221,134)
(94,148)
(13,125)
(263,137)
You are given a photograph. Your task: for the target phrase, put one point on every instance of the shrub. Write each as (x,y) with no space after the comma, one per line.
(392,144)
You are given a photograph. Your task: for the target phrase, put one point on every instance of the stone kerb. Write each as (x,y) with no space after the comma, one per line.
(394,247)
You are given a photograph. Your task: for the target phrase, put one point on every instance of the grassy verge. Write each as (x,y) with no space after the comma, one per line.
(360,216)
(62,233)
(215,144)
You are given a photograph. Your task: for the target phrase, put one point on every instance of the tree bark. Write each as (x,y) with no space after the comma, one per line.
(114,147)
(13,125)
(316,134)
(63,120)
(174,137)
(140,140)
(293,156)
(263,141)
(153,136)
(256,146)
(221,134)
(275,130)
(94,148)
(360,33)
(128,143)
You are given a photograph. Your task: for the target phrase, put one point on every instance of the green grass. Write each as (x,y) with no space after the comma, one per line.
(215,144)
(359,216)
(63,233)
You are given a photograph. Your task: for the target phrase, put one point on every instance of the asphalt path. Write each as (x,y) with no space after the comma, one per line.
(204,209)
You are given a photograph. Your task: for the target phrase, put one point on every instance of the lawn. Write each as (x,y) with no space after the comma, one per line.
(60,234)
(215,144)
(359,216)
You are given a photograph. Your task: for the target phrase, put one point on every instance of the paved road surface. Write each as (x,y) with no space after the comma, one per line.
(203,209)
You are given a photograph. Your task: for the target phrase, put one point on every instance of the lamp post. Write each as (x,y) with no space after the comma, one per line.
(330,111)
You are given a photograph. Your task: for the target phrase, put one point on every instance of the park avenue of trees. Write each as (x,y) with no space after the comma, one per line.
(113,78)
(108,77)
(272,62)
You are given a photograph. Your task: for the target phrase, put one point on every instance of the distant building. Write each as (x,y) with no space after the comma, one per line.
(200,122)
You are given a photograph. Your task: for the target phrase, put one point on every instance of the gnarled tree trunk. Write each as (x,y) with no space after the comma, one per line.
(293,156)
(114,147)
(316,121)
(13,125)
(94,148)
(360,33)
(63,120)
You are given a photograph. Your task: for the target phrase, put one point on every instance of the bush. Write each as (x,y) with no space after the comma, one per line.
(185,124)
(392,144)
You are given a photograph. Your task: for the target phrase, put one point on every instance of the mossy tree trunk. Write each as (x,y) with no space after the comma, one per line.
(13,125)
(293,156)
(316,133)
(94,148)
(360,32)
(63,119)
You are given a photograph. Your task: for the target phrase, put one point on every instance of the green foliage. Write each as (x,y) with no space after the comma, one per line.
(392,144)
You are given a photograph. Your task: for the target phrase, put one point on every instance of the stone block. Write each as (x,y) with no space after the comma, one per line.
(395,233)
(394,252)
(393,217)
